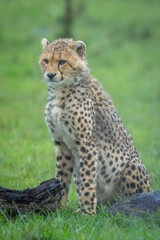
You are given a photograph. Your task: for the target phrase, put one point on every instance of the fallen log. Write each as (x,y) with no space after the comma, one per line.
(44,197)
(138,205)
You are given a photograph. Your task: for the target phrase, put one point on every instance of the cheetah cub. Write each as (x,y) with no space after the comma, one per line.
(89,136)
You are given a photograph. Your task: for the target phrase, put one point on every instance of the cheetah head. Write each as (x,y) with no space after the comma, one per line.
(63,61)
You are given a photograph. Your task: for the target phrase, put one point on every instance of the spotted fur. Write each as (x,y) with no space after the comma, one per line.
(89,136)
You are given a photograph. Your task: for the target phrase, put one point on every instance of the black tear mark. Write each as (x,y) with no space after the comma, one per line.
(61,74)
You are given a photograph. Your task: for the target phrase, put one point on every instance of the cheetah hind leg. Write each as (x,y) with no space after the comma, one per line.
(135,178)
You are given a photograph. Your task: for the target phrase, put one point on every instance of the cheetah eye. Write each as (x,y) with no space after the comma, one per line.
(45,61)
(61,62)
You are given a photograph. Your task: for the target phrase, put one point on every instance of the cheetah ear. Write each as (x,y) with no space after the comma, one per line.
(44,43)
(80,48)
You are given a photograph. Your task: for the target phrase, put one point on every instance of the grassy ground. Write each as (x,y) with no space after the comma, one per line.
(122,40)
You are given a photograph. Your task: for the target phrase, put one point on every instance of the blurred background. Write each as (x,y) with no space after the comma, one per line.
(123,52)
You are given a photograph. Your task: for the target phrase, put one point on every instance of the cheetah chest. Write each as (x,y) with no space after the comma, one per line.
(55,120)
(53,115)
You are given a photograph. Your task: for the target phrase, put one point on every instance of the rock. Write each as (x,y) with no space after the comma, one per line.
(137,205)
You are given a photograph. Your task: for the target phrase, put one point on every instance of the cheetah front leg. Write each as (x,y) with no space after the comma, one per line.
(88,165)
(64,169)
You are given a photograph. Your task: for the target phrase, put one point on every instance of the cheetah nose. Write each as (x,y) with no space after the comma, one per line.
(51,75)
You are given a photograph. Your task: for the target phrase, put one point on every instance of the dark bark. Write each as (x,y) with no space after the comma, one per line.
(45,196)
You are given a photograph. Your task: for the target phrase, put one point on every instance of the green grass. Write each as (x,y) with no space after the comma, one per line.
(122,40)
